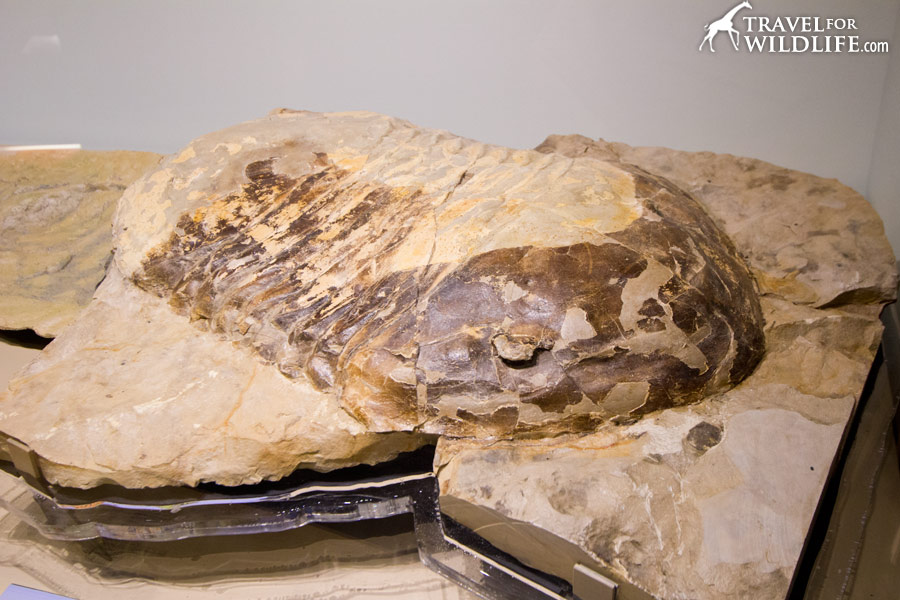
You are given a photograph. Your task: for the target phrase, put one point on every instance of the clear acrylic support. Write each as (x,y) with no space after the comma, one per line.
(405,486)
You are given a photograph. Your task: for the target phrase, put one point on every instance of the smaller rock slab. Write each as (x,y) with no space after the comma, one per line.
(56,210)
(713,500)
(708,501)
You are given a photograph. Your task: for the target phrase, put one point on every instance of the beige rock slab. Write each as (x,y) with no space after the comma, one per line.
(712,500)
(708,501)
(807,239)
(56,212)
(173,405)
(287,290)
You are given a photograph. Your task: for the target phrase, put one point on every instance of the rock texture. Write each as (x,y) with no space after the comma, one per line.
(56,211)
(323,290)
(131,393)
(383,278)
(713,500)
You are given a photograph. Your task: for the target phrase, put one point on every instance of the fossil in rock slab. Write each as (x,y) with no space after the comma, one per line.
(406,278)
(511,292)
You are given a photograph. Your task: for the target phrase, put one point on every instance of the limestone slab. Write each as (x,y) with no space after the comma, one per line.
(708,501)
(608,377)
(378,281)
(713,500)
(56,211)
(151,400)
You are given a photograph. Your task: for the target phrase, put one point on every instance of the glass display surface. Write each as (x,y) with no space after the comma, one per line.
(406,485)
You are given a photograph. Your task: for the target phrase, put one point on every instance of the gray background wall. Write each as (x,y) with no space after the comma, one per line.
(153,75)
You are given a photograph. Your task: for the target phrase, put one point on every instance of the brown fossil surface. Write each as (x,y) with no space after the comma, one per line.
(56,210)
(326,289)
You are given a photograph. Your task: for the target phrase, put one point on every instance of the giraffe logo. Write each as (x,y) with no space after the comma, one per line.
(724,24)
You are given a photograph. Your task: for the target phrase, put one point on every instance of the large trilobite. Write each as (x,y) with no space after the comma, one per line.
(433,281)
